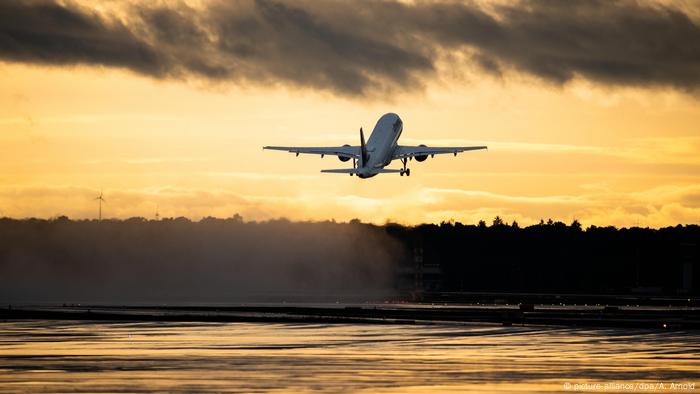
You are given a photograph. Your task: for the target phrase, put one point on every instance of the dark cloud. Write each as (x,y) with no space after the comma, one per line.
(365,48)
(48,33)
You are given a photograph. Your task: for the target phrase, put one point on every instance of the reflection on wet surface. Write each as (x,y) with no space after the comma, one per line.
(50,356)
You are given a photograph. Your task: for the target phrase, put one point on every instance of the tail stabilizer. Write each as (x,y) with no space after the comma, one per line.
(355,171)
(342,171)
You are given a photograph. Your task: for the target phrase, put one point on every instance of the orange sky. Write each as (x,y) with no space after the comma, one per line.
(601,154)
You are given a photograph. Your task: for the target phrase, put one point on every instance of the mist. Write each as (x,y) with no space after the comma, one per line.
(177,260)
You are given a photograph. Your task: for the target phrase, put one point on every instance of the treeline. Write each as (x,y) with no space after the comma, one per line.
(230,260)
(553,257)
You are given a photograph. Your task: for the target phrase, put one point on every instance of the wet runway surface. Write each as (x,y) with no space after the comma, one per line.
(645,316)
(86,356)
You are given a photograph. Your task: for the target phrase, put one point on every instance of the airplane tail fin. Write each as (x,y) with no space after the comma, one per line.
(363,149)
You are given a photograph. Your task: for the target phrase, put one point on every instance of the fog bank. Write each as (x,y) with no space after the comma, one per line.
(176,260)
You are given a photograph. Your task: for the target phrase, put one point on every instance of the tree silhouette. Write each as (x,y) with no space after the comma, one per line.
(576,225)
(218,256)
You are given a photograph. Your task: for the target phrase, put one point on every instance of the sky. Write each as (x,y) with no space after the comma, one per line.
(590,109)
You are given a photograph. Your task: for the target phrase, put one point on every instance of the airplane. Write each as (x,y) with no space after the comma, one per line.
(370,158)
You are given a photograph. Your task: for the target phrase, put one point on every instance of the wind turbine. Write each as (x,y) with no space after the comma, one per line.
(99,217)
(157,214)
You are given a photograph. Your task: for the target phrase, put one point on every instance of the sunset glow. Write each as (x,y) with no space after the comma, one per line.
(619,154)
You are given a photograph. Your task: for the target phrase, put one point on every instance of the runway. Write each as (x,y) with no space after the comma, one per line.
(661,317)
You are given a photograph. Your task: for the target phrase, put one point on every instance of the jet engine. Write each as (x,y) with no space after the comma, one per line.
(421,157)
(343,159)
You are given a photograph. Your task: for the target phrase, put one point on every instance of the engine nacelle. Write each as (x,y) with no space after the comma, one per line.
(421,157)
(344,159)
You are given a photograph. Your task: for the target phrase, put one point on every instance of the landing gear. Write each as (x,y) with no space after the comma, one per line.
(405,170)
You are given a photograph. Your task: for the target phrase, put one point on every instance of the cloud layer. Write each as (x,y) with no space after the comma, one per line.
(362,50)
(664,205)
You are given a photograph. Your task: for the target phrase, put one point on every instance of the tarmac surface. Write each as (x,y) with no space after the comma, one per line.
(653,316)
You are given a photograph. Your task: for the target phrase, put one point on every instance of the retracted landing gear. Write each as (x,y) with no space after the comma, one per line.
(405,170)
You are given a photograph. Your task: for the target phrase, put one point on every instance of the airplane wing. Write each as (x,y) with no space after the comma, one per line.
(404,152)
(345,151)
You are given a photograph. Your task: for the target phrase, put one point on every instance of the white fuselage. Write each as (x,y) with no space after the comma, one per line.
(381,145)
